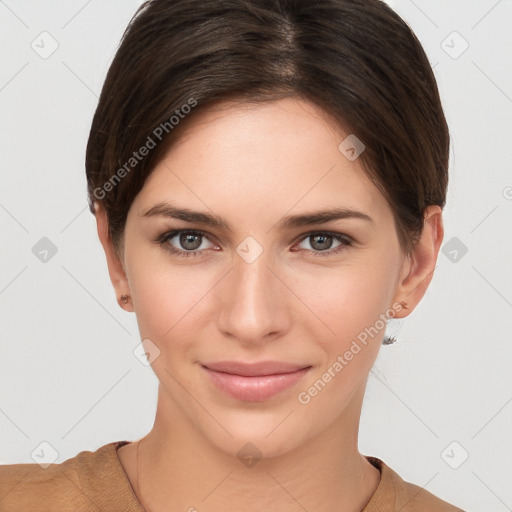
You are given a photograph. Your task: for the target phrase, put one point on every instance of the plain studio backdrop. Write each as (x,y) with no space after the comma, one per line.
(438,407)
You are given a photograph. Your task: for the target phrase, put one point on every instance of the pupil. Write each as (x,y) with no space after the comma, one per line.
(322,239)
(188,238)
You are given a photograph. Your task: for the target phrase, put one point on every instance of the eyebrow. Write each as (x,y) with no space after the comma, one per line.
(166,209)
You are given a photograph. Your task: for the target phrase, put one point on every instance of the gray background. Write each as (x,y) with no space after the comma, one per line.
(68,374)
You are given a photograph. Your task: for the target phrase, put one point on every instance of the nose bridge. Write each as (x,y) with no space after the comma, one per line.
(252,276)
(252,280)
(252,302)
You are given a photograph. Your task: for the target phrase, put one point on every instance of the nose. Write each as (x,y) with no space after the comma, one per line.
(254,302)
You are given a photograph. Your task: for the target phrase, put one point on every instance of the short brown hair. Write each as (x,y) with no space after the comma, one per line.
(355,59)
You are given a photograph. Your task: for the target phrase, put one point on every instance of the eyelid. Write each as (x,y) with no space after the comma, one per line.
(334,234)
(344,240)
(169,235)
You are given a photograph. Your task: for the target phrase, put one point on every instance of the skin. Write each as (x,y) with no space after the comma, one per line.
(253,166)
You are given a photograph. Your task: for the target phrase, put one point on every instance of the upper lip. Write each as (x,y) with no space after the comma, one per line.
(254,369)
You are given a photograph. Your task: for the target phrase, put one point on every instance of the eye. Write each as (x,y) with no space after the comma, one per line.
(321,242)
(189,242)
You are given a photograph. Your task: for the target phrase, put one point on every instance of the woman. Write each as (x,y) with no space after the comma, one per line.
(268,179)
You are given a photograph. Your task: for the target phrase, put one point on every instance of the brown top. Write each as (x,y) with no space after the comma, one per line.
(96,481)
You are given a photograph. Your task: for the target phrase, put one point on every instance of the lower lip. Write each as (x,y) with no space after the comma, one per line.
(254,389)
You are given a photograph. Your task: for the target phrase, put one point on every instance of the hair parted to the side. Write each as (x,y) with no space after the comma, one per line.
(355,59)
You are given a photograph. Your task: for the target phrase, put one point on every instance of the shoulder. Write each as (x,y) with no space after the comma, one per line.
(418,499)
(88,481)
(394,493)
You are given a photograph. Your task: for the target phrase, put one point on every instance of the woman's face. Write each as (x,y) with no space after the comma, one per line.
(258,288)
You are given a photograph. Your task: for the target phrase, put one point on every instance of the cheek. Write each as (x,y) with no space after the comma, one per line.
(350,301)
(168,298)
(351,298)
(172,299)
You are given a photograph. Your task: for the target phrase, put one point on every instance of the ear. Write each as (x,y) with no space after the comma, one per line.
(115,265)
(418,269)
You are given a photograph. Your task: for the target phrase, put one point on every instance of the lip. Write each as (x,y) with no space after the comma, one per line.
(254,382)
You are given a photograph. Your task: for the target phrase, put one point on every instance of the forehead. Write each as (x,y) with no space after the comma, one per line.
(272,156)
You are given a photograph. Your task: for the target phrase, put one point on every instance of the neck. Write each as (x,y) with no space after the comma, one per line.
(180,470)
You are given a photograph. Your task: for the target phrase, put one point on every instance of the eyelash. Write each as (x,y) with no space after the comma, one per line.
(164,239)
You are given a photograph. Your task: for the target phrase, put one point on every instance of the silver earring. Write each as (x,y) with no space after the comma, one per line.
(388,340)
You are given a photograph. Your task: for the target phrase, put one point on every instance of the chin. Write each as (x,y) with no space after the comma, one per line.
(253,447)
(259,434)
